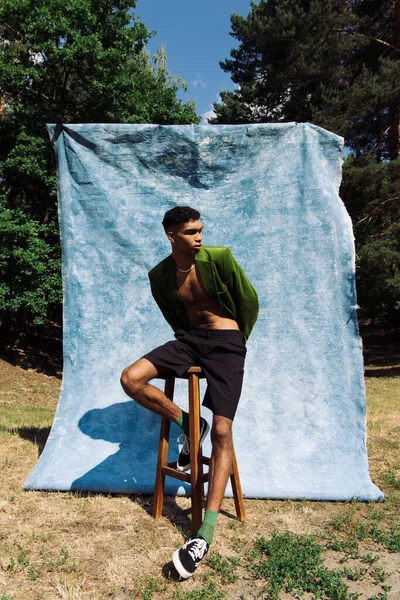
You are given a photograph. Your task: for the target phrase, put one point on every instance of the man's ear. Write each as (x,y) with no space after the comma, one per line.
(170,235)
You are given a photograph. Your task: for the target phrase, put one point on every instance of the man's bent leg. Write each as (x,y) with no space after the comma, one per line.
(134,380)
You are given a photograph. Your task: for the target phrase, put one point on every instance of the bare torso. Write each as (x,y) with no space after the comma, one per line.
(201,310)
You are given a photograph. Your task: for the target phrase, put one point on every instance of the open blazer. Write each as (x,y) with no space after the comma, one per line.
(224,281)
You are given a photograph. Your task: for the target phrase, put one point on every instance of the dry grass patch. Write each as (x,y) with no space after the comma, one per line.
(93,546)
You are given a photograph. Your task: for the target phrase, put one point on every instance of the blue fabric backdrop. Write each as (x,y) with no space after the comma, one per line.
(268,191)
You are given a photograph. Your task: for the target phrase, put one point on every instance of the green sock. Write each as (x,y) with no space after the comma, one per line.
(183,422)
(206,530)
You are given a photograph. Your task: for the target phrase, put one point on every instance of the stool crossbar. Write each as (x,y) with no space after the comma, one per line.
(196,477)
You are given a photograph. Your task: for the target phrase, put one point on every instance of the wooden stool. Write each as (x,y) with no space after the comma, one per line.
(196,478)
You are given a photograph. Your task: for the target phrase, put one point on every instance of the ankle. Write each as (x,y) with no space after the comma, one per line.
(183,422)
(206,530)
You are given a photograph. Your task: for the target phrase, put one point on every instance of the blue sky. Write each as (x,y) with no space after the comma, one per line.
(196,37)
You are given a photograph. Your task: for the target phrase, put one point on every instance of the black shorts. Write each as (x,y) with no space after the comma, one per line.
(219,352)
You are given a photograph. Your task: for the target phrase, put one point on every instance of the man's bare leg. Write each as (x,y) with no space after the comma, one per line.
(187,559)
(220,468)
(134,380)
(221,461)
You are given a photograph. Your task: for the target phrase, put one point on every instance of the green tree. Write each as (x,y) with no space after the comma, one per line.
(335,63)
(286,52)
(80,61)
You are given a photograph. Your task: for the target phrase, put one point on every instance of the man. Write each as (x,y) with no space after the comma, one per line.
(211,305)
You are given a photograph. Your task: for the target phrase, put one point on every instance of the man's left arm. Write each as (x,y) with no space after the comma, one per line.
(243,294)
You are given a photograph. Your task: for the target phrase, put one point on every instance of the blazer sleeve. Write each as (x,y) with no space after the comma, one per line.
(163,306)
(243,294)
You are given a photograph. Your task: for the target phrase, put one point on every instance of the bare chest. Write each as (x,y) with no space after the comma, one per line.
(190,289)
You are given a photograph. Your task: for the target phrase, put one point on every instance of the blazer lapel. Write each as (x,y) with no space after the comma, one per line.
(205,270)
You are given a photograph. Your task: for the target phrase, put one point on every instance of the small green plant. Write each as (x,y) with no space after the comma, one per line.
(146,589)
(354,574)
(378,574)
(377,515)
(206,590)
(349,546)
(20,563)
(42,537)
(33,573)
(238,545)
(225,567)
(54,565)
(370,558)
(379,596)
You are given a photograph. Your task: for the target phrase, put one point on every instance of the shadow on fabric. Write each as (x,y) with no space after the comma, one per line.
(130,468)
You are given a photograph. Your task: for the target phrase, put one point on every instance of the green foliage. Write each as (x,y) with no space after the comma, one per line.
(145,589)
(370,191)
(287,52)
(391,479)
(29,262)
(80,61)
(224,567)
(379,596)
(294,564)
(353,574)
(207,590)
(354,531)
(22,563)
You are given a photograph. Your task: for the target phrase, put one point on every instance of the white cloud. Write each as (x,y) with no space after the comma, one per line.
(199,82)
(209,114)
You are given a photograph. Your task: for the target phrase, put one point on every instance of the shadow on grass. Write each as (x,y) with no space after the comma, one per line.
(36,435)
(177,515)
(170,573)
(388,372)
(381,347)
(40,349)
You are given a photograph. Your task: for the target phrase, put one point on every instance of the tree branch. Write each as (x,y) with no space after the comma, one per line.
(369,216)
(368,37)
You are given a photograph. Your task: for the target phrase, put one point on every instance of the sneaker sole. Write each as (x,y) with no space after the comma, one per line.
(179,566)
(203,437)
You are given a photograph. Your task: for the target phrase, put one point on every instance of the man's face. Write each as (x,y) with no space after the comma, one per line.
(187,238)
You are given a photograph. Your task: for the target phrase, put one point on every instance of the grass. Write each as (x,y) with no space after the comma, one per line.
(95,547)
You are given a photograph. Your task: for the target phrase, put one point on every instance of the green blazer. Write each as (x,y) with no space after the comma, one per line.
(224,281)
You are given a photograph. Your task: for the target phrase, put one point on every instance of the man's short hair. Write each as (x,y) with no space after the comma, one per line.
(179,215)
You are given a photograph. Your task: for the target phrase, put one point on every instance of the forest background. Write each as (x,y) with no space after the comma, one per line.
(334,63)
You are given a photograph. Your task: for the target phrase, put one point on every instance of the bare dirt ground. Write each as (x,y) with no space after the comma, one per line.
(93,546)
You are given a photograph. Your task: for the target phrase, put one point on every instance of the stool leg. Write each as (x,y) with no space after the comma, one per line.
(237,489)
(195,452)
(162,454)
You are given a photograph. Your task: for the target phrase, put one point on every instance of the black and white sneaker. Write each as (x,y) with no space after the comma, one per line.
(187,559)
(183,463)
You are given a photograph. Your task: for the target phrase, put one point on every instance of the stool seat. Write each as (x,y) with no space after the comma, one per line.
(196,477)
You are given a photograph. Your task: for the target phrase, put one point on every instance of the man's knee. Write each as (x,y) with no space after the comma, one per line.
(131,380)
(137,375)
(221,432)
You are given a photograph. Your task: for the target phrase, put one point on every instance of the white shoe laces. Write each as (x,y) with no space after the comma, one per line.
(184,439)
(198,549)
